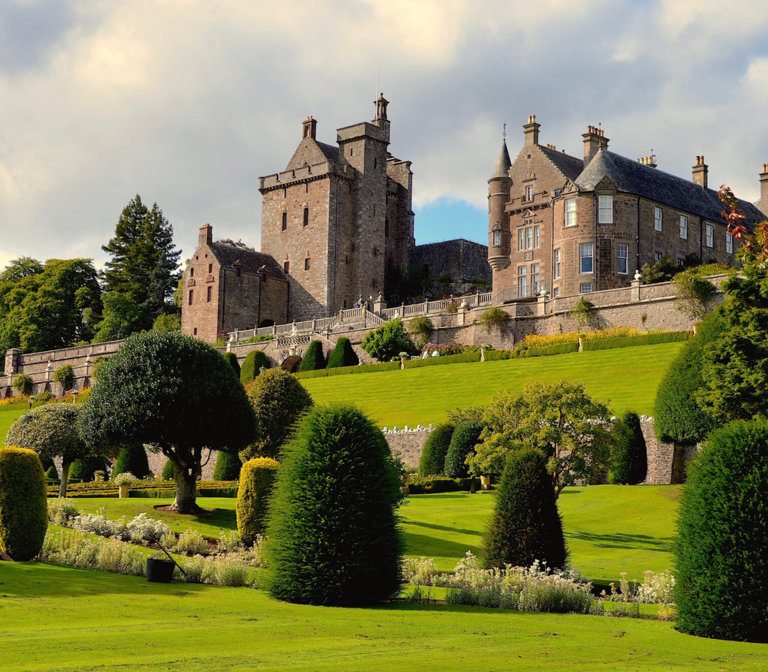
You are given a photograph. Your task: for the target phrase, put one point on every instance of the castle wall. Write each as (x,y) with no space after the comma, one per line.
(461,260)
(201,316)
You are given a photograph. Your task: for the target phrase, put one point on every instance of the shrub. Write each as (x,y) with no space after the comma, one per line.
(493,318)
(62,511)
(314,358)
(432,461)
(420,485)
(462,444)
(98,524)
(231,358)
(252,365)
(256,480)
(85,468)
(43,397)
(526,524)
(142,528)
(279,401)
(388,341)
(342,355)
(332,537)
(65,376)
(23,384)
(721,550)
(694,293)
(132,459)
(191,542)
(23,506)
(420,330)
(227,467)
(584,313)
(52,474)
(167,474)
(629,462)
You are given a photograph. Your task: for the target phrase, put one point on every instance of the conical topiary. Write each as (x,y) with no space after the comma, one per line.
(231,358)
(132,459)
(227,467)
(462,444)
(83,469)
(436,446)
(314,358)
(257,479)
(167,474)
(629,462)
(252,364)
(23,503)
(342,355)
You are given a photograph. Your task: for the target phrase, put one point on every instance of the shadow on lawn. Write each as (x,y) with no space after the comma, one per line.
(421,544)
(620,540)
(447,528)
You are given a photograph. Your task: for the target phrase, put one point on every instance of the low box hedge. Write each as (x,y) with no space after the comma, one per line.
(421,485)
(651,338)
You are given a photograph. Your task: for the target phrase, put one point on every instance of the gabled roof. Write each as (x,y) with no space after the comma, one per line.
(503,164)
(636,178)
(311,152)
(331,152)
(568,165)
(230,255)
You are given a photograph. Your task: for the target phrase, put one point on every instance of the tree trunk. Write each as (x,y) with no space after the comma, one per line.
(186,490)
(64,478)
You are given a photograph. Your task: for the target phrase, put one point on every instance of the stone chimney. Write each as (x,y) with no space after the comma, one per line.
(648,161)
(206,235)
(594,140)
(531,131)
(309,126)
(700,171)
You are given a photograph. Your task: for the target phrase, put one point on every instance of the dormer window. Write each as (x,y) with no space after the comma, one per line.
(570,212)
(605,209)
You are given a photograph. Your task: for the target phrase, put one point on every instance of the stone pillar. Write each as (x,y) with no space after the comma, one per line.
(13,360)
(379,304)
(542,302)
(462,313)
(635,287)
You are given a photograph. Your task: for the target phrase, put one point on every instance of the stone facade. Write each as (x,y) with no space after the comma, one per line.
(460,260)
(573,225)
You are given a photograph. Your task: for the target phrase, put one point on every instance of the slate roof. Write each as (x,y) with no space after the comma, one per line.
(503,164)
(228,254)
(329,151)
(635,178)
(568,165)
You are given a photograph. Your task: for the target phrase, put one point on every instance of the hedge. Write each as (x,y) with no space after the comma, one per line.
(342,370)
(23,506)
(546,350)
(419,485)
(651,338)
(257,478)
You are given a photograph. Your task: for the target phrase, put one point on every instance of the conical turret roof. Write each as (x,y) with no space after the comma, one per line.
(503,164)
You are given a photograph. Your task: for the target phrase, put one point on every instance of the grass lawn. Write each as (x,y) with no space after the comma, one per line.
(609,528)
(7,417)
(56,618)
(626,378)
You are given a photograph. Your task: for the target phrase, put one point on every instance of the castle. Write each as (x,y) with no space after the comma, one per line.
(571,225)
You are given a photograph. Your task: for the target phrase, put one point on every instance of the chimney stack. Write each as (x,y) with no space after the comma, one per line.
(648,161)
(206,235)
(531,131)
(594,140)
(764,189)
(700,171)
(309,126)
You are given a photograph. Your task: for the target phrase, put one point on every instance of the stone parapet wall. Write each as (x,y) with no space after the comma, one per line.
(407,443)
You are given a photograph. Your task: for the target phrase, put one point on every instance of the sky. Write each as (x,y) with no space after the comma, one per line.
(188,102)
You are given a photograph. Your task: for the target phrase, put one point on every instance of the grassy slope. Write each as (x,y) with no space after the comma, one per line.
(7,418)
(627,378)
(56,618)
(609,528)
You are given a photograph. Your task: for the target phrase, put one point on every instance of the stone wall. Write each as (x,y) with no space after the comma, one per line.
(407,443)
(458,259)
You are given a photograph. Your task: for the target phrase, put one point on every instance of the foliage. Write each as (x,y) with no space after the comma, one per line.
(51,431)
(632,341)
(65,376)
(23,509)
(721,551)
(260,338)
(584,313)
(694,292)
(62,511)
(420,329)
(629,461)
(84,468)
(421,485)
(51,474)
(23,383)
(124,478)
(342,355)
(408,286)
(462,446)
(257,479)
(291,363)
(191,542)
(526,525)
(231,358)
(227,467)
(388,341)
(343,371)
(313,358)
(279,400)
(167,474)
(679,417)
(167,322)
(121,317)
(79,550)
(493,318)
(561,419)
(132,458)
(332,537)
(432,462)
(173,392)
(662,270)
(252,365)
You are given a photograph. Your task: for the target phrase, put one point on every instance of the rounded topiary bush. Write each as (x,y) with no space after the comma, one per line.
(629,461)
(332,536)
(133,460)
(526,525)
(84,468)
(432,461)
(342,355)
(227,467)
(252,364)
(231,358)
(257,477)
(167,474)
(721,550)
(23,503)
(462,444)
(52,474)
(314,358)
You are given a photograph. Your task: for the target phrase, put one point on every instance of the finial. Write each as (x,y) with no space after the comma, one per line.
(504,131)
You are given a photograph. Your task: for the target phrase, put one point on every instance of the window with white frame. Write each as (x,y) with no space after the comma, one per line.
(557,264)
(657,218)
(729,242)
(497,238)
(683,227)
(570,212)
(605,209)
(586,253)
(528,237)
(710,235)
(535,279)
(528,192)
(657,256)
(522,281)
(585,287)
(622,259)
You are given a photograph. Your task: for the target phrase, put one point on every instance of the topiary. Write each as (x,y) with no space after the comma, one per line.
(462,444)
(388,341)
(721,550)
(167,474)
(291,363)
(256,480)
(231,358)
(133,460)
(342,355)
(526,525)
(83,469)
(51,474)
(314,358)
(22,384)
(252,365)
(678,417)
(629,462)
(23,503)
(332,537)
(432,462)
(227,467)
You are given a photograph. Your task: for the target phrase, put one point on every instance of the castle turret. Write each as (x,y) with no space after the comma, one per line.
(498,222)
(764,189)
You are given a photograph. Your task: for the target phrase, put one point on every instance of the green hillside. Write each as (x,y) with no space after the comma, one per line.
(625,378)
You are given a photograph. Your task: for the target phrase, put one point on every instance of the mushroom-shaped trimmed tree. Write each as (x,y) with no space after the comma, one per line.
(51,431)
(175,393)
